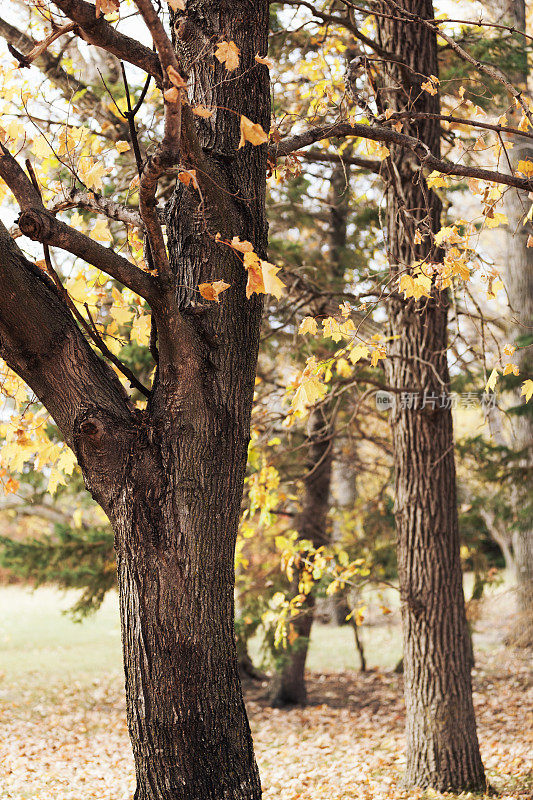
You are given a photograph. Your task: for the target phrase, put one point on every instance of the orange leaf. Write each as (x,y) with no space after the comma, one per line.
(211,291)
(175,78)
(263,60)
(187,177)
(107,6)
(251,132)
(200,111)
(228,53)
(171,95)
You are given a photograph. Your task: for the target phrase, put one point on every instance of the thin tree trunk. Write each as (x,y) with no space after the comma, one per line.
(288,685)
(519,284)
(442,746)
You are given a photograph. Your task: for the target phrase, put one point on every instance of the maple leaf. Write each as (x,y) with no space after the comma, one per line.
(211,291)
(242,247)
(171,95)
(527,390)
(358,352)
(107,7)
(251,132)
(101,232)
(228,54)
(176,5)
(175,78)
(264,60)
(511,368)
(308,325)
(140,330)
(122,146)
(187,177)
(273,285)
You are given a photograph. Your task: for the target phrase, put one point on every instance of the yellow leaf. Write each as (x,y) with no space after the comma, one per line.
(308,325)
(509,349)
(176,5)
(331,329)
(228,53)
(122,146)
(54,480)
(497,218)
(211,291)
(242,247)
(358,352)
(527,389)
(251,132)
(101,232)
(140,330)
(66,461)
(491,383)
(273,285)
(343,368)
(511,368)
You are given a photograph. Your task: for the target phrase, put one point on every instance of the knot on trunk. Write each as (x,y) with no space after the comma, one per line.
(35,224)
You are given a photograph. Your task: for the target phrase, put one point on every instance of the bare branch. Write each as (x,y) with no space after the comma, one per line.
(79,198)
(380,133)
(41,226)
(69,86)
(38,224)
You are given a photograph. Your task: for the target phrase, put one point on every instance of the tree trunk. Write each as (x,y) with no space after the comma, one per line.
(519,285)
(288,685)
(442,746)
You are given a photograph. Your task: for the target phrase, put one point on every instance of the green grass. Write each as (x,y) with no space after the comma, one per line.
(38,642)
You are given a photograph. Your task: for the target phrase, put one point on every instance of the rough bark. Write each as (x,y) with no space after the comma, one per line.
(170,478)
(442,747)
(288,685)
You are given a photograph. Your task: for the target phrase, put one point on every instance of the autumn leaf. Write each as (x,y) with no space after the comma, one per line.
(251,132)
(308,325)
(527,389)
(228,54)
(242,247)
(171,95)
(187,177)
(107,7)
(211,291)
(511,369)
(176,5)
(101,232)
(264,60)
(273,285)
(122,146)
(491,383)
(201,111)
(175,78)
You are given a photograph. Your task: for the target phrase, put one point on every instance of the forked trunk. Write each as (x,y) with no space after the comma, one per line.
(442,747)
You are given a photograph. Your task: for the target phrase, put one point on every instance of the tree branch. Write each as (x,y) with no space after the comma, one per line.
(69,86)
(91,201)
(40,225)
(42,343)
(97,31)
(380,133)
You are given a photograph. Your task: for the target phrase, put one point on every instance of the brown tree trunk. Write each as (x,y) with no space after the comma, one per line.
(442,747)
(170,478)
(288,685)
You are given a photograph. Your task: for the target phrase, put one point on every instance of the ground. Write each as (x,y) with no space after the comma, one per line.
(64,733)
